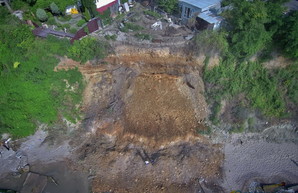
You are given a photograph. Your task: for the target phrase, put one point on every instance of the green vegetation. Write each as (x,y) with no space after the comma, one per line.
(111,37)
(153,14)
(130,26)
(51,21)
(73,30)
(54,8)
(211,42)
(288,35)
(86,49)
(31,92)
(250,78)
(142,36)
(262,28)
(81,23)
(41,15)
(170,6)
(90,6)
(105,17)
(288,81)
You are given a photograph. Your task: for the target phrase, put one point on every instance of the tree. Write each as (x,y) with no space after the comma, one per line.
(90,6)
(169,6)
(246,25)
(41,15)
(287,35)
(87,49)
(54,8)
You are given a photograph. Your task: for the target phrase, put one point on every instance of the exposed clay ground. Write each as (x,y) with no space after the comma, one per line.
(144,111)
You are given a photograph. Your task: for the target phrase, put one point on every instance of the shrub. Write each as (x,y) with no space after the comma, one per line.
(73,30)
(51,21)
(67,26)
(142,36)
(81,23)
(250,78)
(210,42)
(169,6)
(87,49)
(131,26)
(54,8)
(41,15)
(111,37)
(153,14)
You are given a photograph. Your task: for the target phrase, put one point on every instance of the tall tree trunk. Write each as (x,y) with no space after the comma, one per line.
(8,6)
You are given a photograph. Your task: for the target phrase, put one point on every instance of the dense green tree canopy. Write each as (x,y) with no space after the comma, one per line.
(287,36)
(245,22)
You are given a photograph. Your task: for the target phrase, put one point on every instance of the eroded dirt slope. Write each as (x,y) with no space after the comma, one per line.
(147,106)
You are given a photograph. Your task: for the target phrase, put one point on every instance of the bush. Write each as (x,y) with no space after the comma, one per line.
(67,26)
(51,21)
(41,15)
(210,42)
(230,79)
(142,36)
(111,37)
(153,14)
(170,6)
(132,27)
(87,49)
(81,23)
(54,8)
(73,30)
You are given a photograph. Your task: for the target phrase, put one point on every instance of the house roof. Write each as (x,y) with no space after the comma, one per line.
(209,17)
(201,3)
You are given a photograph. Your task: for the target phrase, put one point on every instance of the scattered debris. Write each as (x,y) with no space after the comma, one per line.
(157,25)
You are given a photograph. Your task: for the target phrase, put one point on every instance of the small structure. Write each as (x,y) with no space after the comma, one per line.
(92,26)
(207,20)
(72,9)
(102,5)
(202,10)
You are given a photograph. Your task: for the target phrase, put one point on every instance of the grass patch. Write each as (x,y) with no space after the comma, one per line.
(81,23)
(130,26)
(206,131)
(153,14)
(214,118)
(261,88)
(32,92)
(238,129)
(142,36)
(111,37)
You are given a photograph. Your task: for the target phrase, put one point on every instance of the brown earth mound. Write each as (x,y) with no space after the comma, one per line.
(161,108)
(140,111)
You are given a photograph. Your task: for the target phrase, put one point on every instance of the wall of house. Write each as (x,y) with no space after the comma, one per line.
(187,10)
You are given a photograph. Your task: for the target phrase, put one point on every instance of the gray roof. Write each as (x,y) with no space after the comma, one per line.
(209,17)
(201,3)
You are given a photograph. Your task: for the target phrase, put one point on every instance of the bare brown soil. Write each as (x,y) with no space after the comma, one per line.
(146,106)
